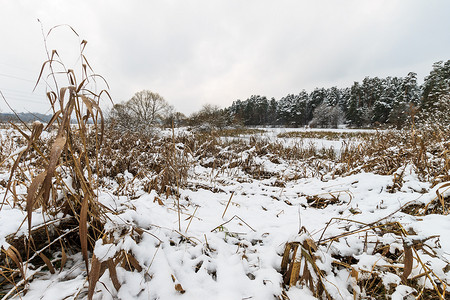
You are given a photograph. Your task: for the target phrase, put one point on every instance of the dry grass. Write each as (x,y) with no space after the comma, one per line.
(386,152)
(439,205)
(304,263)
(235,132)
(58,176)
(326,135)
(163,163)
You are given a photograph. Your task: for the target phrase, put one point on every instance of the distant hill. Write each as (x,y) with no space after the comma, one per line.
(25,117)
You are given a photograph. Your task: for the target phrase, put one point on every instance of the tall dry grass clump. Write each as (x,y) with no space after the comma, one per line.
(62,187)
(160,163)
(385,152)
(308,262)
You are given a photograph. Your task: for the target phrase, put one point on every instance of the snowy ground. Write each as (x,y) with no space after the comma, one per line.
(229,240)
(272,135)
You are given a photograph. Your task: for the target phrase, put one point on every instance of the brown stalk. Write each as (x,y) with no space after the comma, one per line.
(83,232)
(231,196)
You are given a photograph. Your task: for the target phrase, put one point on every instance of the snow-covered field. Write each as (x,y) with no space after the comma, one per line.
(223,234)
(279,135)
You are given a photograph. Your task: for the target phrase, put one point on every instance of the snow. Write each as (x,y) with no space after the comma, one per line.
(236,254)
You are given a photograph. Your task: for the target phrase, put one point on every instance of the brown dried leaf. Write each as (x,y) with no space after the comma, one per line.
(312,245)
(63,258)
(35,132)
(62,25)
(295,273)
(65,123)
(51,95)
(31,197)
(47,262)
(55,154)
(53,119)
(285,260)
(159,201)
(15,256)
(306,274)
(307,278)
(138,230)
(90,104)
(355,274)
(42,71)
(72,77)
(94,276)
(288,275)
(133,261)
(80,86)
(441,198)
(113,274)
(408,262)
(179,288)
(83,232)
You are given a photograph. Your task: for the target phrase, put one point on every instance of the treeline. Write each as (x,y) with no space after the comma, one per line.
(372,102)
(24,117)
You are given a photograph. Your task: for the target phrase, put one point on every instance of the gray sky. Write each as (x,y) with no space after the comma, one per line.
(217,51)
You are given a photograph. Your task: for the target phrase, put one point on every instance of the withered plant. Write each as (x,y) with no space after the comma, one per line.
(62,188)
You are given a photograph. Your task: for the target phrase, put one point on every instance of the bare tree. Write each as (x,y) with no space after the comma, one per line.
(208,115)
(143,111)
(148,107)
(120,116)
(175,118)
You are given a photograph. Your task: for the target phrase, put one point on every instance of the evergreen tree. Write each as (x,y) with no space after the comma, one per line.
(286,110)
(272,112)
(406,95)
(374,101)
(301,111)
(354,114)
(315,99)
(235,114)
(334,96)
(435,85)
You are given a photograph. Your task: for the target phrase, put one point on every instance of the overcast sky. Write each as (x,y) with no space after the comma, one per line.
(218,51)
